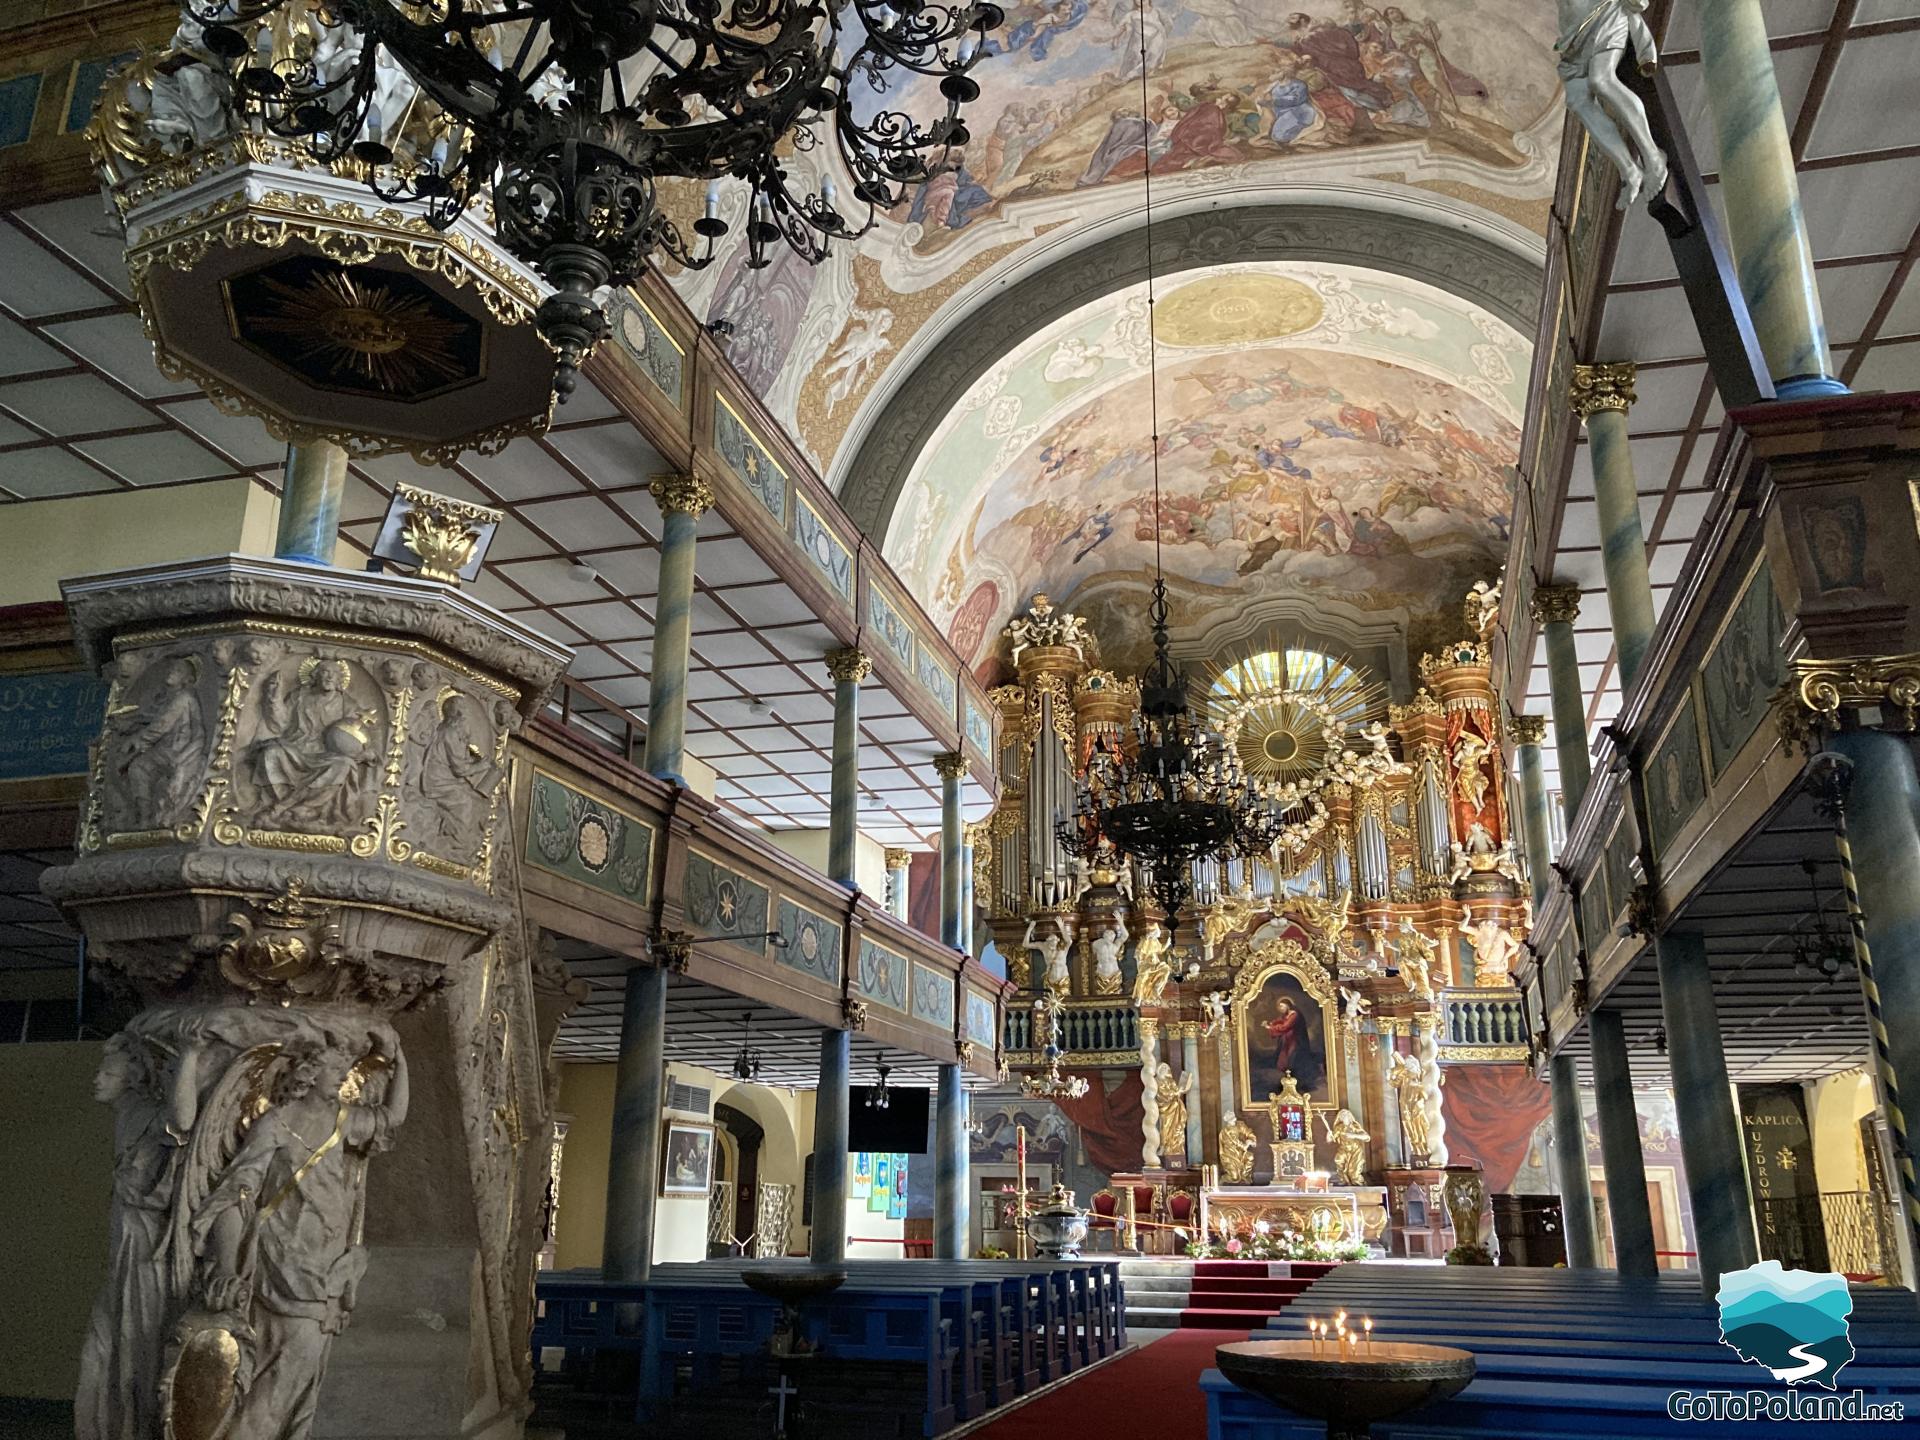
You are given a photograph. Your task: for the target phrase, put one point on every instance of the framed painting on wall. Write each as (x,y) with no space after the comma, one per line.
(687,1166)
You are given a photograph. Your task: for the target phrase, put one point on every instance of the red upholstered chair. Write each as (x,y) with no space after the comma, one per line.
(1106,1216)
(1181,1209)
(1148,1210)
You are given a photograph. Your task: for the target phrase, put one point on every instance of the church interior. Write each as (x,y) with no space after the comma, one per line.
(874,719)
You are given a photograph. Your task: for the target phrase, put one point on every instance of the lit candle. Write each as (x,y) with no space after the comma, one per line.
(1367,1325)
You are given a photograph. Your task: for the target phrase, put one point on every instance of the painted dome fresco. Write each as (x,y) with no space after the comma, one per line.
(1330,439)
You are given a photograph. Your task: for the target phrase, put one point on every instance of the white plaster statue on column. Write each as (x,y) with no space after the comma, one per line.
(1213,1010)
(1594,34)
(242,1137)
(1495,948)
(1052,950)
(1106,946)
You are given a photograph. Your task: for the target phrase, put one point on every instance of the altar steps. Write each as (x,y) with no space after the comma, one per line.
(1173,1293)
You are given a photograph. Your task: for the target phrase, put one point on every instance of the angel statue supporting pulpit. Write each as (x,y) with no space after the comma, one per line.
(263,1253)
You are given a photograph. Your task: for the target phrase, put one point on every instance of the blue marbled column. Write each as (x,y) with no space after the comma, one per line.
(1710,1143)
(310,496)
(1601,396)
(682,499)
(633,1160)
(1883,825)
(1570,1168)
(966,897)
(899,876)
(952,769)
(831,1117)
(1556,607)
(952,1203)
(1633,1243)
(1529,731)
(1190,1065)
(848,668)
(1765,227)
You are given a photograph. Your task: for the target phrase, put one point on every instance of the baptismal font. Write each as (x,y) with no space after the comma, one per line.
(1289,1035)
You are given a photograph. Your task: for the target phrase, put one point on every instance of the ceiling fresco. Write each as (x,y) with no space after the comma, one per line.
(1450,107)
(1333,437)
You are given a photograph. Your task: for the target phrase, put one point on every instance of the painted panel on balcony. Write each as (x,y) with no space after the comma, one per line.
(658,354)
(881,976)
(980,1026)
(979,726)
(725,903)
(824,548)
(935,676)
(588,841)
(889,626)
(1742,671)
(1676,786)
(812,942)
(933,997)
(1595,912)
(749,460)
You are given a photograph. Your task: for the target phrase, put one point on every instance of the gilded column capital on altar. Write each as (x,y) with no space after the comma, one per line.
(847,663)
(1554,604)
(678,493)
(1608,386)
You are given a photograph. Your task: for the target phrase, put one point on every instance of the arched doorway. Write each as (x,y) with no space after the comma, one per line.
(745,1134)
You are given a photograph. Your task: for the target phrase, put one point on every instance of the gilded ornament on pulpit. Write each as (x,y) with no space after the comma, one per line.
(315,758)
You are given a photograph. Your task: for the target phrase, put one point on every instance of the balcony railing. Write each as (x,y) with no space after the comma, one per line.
(1482,1025)
(1092,1032)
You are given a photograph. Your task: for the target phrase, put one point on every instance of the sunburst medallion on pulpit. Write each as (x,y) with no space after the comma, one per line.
(355,329)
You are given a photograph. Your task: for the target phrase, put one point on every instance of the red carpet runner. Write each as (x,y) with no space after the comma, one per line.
(1241,1294)
(1155,1391)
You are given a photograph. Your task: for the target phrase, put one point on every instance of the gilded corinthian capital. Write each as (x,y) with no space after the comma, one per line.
(848,664)
(1555,603)
(1529,729)
(688,494)
(950,766)
(1601,387)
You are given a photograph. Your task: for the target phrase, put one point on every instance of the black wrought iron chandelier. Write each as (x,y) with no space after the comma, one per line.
(746,1064)
(1178,793)
(572,111)
(1820,952)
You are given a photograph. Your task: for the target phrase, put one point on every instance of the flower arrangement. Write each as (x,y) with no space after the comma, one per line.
(990,1252)
(1263,1242)
(1469,1255)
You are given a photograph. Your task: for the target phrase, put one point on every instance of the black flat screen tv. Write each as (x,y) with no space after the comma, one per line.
(900,1129)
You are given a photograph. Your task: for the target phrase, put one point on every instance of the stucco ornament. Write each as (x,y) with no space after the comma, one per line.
(1594,35)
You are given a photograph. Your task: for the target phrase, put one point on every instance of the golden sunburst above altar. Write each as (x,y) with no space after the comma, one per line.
(1288,712)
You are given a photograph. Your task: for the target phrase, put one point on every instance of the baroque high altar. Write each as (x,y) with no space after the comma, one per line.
(1291,1038)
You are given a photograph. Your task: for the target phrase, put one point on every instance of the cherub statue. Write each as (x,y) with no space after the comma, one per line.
(1349,1139)
(1152,965)
(1483,608)
(1495,948)
(1221,919)
(1172,1096)
(1213,1006)
(1082,877)
(1106,946)
(1593,37)
(1237,1146)
(1052,951)
(1354,1007)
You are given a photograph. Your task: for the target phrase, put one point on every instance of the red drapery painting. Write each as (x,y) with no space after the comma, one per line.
(1109,1122)
(1491,1113)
